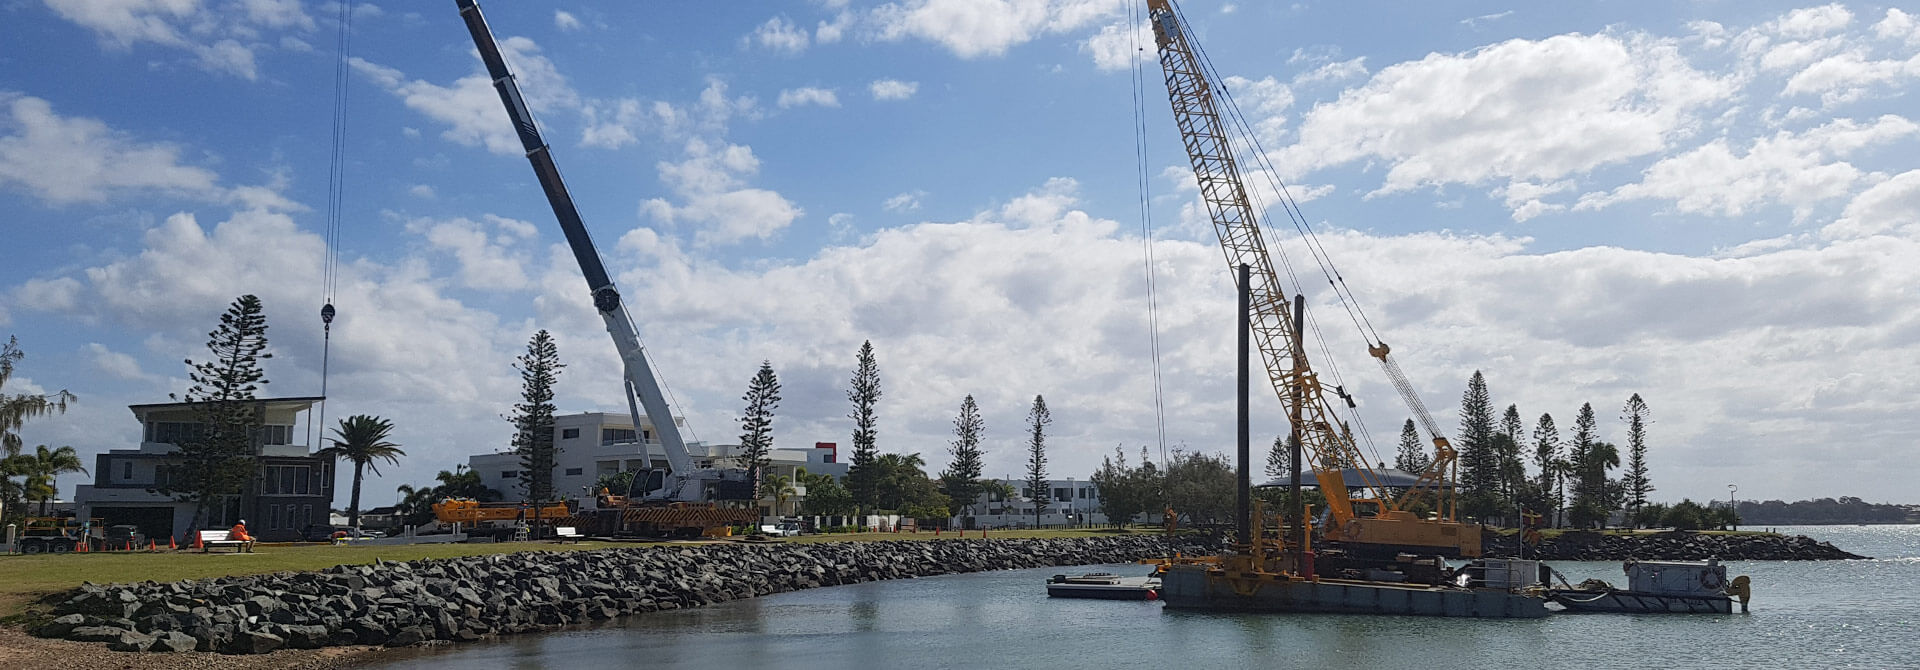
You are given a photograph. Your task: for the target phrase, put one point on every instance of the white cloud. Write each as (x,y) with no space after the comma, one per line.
(65,160)
(975,28)
(1114,47)
(1848,76)
(1337,71)
(1812,21)
(470,107)
(610,125)
(1485,18)
(1541,110)
(779,34)
(423,191)
(565,20)
(831,32)
(488,260)
(113,363)
(1796,169)
(222,39)
(797,97)
(1898,25)
(1890,206)
(1524,198)
(711,184)
(904,202)
(893,89)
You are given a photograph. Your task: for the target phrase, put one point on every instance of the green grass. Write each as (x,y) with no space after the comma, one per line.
(26,579)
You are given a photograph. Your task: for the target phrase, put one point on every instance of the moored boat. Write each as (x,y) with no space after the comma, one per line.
(1653,587)
(1104,586)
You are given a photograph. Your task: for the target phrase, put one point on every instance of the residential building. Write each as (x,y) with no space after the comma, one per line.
(1070,502)
(590,445)
(292,486)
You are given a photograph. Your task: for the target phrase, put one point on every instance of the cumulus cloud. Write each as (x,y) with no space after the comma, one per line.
(904,202)
(63,160)
(808,95)
(222,39)
(565,20)
(1797,169)
(113,363)
(1541,110)
(779,34)
(1891,206)
(469,106)
(893,89)
(491,252)
(976,28)
(711,184)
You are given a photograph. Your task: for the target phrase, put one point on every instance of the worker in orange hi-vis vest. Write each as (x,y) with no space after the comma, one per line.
(239,532)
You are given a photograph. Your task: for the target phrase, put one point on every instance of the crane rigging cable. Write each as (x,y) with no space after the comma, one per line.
(1253,148)
(1144,180)
(336,189)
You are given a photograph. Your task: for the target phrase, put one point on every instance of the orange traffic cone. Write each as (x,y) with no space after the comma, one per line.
(153,545)
(170,545)
(81,547)
(196,540)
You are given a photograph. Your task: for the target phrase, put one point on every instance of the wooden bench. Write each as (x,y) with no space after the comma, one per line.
(564,533)
(218,538)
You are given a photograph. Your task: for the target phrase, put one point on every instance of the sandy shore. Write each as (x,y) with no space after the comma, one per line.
(20,650)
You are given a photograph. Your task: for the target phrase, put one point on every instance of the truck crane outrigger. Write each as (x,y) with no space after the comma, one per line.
(680,498)
(1392,527)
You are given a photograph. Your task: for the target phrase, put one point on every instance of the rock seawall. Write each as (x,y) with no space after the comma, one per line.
(468,598)
(1673,546)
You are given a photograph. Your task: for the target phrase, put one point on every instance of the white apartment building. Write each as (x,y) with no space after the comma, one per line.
(1070,502)
(590,445)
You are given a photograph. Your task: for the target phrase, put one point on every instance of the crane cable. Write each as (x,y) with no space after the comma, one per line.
(1314,247)
(336,189)
(1144,180)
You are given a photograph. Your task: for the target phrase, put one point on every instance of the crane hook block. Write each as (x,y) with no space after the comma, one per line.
(1379,350)
(326,313)
(606,299)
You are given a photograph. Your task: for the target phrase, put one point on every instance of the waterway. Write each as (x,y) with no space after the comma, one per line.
(1832,614)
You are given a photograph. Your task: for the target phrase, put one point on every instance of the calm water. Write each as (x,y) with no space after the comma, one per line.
(1861,614)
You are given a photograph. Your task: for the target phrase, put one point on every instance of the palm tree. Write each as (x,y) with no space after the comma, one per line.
(361,440)
(42,467)
(780,487)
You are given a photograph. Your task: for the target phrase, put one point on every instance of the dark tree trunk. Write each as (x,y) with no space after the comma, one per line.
(353,502)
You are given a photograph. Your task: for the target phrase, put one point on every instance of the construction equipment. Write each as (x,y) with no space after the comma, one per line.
(59,535)
(498,520)
(1375,523)
(682,486)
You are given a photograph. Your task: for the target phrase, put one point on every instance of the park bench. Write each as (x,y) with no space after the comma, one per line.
(218,538)
(564,533)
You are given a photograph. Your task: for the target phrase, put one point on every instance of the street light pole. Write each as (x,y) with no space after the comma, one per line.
(1731,507)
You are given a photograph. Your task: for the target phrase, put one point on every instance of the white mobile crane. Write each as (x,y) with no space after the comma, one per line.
(679,498)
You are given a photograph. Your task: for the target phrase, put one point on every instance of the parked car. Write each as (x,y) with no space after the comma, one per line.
(328,533)
(785,529)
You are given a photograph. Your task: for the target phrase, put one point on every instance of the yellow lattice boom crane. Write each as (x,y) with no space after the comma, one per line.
(1376,521)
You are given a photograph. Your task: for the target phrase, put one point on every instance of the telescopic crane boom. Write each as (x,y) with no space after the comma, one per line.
(684,483)
(1302,395)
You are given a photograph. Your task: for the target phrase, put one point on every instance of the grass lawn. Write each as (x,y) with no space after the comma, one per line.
(24,579)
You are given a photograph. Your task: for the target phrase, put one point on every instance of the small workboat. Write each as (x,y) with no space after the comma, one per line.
(1683,587)
(1104,586)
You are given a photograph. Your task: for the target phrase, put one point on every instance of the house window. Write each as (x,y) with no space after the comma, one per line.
(509,474)
(174,432)
(569,433)
(276,434)
(1062,494)
(613,435)
(288,480)
(573,471)
(126,469)
(306,515)
(273,517)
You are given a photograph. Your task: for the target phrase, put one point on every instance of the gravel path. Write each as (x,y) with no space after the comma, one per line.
(20,650)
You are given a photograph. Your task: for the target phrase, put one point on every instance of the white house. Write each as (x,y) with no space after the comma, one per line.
(590,445)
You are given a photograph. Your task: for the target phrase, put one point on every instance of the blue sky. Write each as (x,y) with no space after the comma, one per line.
(1707,203)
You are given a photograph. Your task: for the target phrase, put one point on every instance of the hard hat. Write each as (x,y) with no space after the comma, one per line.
(243,522)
